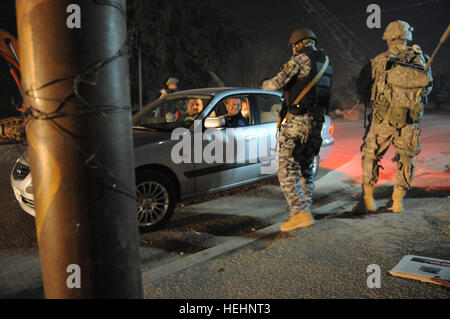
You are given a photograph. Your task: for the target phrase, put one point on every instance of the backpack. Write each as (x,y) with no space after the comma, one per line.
(405,86)
(407,76)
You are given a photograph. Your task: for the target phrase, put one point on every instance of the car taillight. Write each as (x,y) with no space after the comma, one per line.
(331,131)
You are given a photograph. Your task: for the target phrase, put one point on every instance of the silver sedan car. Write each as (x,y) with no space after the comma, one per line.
(185,147)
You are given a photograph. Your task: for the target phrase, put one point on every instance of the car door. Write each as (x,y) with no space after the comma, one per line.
(238,161)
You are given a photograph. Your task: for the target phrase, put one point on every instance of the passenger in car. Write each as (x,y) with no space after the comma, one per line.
(194,106)
(234,117)
(245,110)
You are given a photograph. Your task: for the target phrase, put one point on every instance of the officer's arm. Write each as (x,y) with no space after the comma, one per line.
(422,61)
(281,115)
(300,64)
(430,76)
(364,83)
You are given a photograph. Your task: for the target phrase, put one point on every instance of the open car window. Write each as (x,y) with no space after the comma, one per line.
(269,106)
(221,110)
(175,111)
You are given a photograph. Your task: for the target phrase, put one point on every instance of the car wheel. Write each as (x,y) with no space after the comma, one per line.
(156,201)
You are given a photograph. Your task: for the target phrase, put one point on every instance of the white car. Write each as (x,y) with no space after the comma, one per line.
(163,179)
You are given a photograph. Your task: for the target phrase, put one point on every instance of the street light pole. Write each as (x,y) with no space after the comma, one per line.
(78,123)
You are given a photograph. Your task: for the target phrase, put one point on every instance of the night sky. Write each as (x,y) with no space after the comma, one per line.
(272,21)
(8,16)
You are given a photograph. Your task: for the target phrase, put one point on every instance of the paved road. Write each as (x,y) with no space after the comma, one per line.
(329,259)
(228,245)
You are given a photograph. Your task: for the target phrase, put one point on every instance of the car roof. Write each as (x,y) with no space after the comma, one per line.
(220,90)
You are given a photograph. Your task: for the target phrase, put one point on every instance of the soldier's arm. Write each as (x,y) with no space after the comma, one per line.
(378,65)
(422,60)
(163,93)
(364,83)
(429,88)
(299,65)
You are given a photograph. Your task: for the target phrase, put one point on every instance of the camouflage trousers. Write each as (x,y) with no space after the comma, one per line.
(296,179)
(379,137)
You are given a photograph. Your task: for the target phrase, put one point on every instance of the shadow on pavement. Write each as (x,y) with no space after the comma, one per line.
(385,192)
(192,232)
(346,214)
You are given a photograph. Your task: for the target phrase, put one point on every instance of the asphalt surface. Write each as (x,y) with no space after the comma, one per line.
(327,260)
(228,245)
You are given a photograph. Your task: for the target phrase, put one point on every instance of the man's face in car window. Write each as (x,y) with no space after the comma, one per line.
(194,106)
(233,106)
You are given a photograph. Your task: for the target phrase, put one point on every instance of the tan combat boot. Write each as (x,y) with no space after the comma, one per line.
(366,203)
(397,200)
(302,219)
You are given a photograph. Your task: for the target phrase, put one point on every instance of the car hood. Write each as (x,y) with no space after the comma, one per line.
(140,137)
(145,137)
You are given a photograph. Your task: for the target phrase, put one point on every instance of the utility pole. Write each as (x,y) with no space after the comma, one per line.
(140,75)
(78,122)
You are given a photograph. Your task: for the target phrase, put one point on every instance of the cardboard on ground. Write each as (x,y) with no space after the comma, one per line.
(436,271)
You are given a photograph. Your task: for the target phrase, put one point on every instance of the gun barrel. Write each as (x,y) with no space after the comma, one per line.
(442,40)
(445,35)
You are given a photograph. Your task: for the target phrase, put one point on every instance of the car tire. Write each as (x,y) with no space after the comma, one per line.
(156,199)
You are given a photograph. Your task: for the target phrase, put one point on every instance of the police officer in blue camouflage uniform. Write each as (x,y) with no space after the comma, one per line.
(300,131)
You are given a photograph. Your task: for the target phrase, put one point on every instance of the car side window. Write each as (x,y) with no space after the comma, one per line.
(244,112)
(269,106)
(165,112)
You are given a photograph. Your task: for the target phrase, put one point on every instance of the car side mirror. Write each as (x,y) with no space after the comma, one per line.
(215,122)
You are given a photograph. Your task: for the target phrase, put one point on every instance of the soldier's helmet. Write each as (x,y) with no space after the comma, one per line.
(172,80)
(301,34)
(398,30)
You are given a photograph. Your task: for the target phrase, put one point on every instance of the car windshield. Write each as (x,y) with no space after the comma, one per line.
(171,112)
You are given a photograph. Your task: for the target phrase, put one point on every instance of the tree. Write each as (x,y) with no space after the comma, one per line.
(252,63)
(184,39)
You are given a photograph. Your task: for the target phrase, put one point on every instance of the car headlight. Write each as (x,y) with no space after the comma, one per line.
(20,171)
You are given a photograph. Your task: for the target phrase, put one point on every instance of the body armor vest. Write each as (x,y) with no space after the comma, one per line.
(316,101)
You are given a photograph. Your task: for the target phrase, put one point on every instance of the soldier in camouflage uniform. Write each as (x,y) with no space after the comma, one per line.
(399,87)
(172,86)
(300,132)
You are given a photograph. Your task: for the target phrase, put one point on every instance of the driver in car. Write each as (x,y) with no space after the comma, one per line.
(234,116)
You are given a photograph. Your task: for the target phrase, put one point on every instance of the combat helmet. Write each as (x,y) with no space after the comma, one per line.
(301,34)
(398,30)
(172,80)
